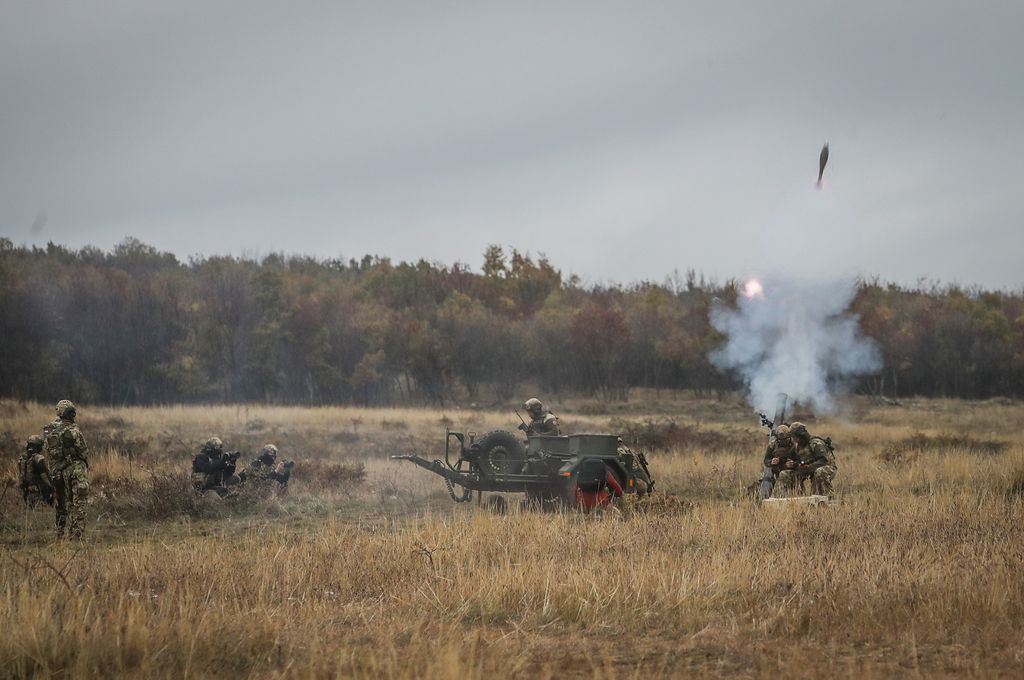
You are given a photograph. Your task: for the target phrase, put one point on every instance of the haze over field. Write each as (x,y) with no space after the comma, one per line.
(623,140)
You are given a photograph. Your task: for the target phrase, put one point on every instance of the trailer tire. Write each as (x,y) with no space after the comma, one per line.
(501,453)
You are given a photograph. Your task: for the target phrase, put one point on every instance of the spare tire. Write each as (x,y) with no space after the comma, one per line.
(500,453)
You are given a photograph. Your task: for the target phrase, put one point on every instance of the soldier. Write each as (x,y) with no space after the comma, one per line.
(266,468)
(541,421)
(34,473)
(817,459)
(69,463)
(780,462)
(213,469)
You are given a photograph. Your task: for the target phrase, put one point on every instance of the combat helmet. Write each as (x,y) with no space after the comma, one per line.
(533,406)
(783,434)
(267,455)
(213,445)
(34,443)
(799,431)
(65,410)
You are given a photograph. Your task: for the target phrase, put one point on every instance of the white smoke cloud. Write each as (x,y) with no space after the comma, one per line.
(796,337)
(791,330)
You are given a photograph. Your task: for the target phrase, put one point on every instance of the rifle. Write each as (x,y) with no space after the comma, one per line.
(225,465)
(524,427)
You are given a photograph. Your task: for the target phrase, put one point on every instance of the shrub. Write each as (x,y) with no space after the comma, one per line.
(326,475)
(907,450)
(162,496)
(667,434)
(1015,489)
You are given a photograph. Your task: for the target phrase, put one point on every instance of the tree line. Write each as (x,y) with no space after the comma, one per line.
(134,325)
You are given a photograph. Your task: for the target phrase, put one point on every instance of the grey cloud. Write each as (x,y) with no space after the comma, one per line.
(625,140)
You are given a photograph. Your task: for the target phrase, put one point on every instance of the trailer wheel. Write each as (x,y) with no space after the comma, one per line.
(501,453)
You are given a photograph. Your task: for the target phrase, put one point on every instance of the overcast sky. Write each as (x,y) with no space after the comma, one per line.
(623,139)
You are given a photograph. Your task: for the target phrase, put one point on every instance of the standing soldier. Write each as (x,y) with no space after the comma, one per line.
(817,460)
(541,421)
(33,473)
(69,462)
(780,462)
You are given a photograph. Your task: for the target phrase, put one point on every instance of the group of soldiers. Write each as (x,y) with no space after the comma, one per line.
(54,469)
(793,457)
(214,469)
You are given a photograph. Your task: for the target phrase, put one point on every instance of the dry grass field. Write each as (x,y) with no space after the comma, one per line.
(366,569)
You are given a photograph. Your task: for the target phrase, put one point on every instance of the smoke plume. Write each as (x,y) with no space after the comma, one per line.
(791,330)
(795,337)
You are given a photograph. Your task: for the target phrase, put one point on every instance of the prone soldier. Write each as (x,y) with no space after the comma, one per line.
(68,456)
(213,469)
(34,473)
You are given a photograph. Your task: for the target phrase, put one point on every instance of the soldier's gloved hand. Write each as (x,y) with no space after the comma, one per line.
(524,427)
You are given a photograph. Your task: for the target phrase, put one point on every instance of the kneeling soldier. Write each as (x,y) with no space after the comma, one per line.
(266,468)
(780,462)
(817,460)
(213,469)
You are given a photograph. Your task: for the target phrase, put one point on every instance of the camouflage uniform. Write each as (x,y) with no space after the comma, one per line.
(69,463)
(212,469)
(541,423)
(266,469)
(34,474)
(780,447)
(818,462)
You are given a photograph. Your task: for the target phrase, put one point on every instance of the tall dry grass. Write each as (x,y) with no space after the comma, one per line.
(915,570)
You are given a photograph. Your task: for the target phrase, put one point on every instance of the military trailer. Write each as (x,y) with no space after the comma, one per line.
(570,471)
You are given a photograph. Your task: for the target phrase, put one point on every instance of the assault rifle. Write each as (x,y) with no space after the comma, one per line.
(524,427)
(228,464)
